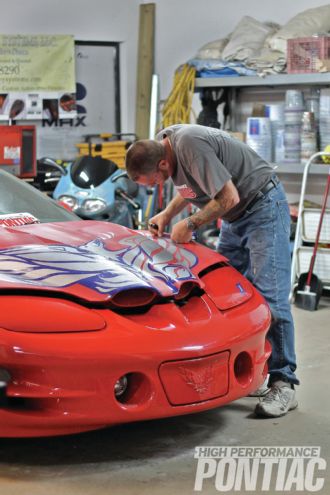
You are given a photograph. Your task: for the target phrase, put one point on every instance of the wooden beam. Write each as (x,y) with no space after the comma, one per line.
(145,69)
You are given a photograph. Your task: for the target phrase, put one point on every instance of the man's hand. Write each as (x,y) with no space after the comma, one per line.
(180,232)
(157,224)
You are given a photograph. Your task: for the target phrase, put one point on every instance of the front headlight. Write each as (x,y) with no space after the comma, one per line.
(35,314)
(93,205)
(70,201)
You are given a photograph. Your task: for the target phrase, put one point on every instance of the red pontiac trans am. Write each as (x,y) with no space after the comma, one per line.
(100,324)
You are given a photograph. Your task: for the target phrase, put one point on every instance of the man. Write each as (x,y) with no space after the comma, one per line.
(227,179)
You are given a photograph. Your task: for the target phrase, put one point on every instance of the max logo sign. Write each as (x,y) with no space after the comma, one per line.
(79,121)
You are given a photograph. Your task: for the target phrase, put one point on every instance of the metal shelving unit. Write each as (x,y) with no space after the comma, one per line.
(313,79)
(279,82)
(298,168)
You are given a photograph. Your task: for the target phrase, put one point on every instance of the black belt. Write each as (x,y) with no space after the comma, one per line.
(273,182)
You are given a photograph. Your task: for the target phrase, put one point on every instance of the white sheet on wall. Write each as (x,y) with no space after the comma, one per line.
(95,67)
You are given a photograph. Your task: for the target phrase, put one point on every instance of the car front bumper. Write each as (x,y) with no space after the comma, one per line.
(198,359)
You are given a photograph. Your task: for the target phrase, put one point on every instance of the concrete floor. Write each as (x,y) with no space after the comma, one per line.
(157,457)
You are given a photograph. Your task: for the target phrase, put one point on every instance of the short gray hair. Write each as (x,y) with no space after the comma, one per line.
(142,157)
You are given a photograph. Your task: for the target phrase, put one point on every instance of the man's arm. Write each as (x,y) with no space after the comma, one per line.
(157,223)
(175,206)
(224,201)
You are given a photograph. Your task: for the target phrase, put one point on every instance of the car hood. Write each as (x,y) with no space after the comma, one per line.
(96,260)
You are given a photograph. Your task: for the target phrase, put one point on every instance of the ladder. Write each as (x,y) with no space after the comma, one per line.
(307,223)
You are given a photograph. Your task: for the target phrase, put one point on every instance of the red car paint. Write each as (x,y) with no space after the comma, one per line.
(85,303)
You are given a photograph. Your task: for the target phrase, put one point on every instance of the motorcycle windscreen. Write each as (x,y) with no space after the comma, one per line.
(91,171)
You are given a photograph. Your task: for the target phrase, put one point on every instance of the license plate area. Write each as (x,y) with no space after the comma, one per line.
(195,380)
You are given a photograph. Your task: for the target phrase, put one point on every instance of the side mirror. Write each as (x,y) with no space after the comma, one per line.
(46,164)
(120,176)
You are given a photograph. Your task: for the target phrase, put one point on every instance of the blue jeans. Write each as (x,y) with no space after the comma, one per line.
(258,245)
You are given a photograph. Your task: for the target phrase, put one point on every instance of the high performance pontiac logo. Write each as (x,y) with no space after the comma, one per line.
(282,469)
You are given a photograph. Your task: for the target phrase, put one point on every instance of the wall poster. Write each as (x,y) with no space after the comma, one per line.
(66,88)
(37,76)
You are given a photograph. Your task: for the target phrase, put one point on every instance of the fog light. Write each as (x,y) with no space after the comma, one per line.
(4,381)
(121,386)
(243,369)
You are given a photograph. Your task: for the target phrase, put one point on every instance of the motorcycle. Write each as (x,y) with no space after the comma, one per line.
(49,174)
(96,189)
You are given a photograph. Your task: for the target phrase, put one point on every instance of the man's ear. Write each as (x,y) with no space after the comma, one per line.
(163,165)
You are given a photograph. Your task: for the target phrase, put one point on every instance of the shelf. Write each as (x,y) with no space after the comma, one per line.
(298,168)
(308,79)
(321,79)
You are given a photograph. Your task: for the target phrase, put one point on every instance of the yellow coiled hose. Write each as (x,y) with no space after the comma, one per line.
(177,107)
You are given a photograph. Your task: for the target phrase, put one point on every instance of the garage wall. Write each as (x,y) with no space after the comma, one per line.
(90,20)
(182,26)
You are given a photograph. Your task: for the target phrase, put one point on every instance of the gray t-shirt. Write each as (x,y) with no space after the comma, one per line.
(207,158)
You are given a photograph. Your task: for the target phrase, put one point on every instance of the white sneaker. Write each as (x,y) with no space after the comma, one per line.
(280,399)
(261,391)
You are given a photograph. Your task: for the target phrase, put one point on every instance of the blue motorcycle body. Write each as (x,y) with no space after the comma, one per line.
(89,189)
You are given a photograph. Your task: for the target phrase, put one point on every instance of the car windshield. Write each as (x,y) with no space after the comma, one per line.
(17,196)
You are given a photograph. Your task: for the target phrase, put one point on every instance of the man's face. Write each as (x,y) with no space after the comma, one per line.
(154,178)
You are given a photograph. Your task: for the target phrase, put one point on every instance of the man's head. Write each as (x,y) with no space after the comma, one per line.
(146,162)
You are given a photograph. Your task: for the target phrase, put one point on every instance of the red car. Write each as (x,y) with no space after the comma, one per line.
(100,324)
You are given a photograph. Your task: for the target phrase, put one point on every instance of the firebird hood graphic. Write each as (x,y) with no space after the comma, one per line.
(104,265)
